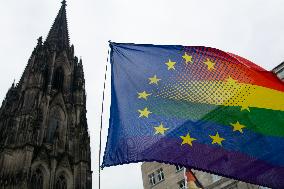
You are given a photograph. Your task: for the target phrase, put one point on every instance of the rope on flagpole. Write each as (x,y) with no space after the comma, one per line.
(101,127)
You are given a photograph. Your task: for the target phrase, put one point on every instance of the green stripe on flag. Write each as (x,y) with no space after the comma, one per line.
(262,121)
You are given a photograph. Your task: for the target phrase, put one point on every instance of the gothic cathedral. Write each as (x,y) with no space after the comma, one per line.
(44,140)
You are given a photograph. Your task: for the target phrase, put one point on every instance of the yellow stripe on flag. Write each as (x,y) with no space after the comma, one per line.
(226,93)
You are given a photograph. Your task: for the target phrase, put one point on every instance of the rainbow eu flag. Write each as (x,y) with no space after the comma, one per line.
(198,107)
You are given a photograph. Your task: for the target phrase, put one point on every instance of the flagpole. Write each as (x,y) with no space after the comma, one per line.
(101,125)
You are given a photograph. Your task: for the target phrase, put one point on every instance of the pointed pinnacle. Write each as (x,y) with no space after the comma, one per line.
(80,62)
(64,2)
(58,34)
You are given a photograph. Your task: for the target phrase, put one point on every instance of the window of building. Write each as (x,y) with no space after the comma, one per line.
(179,168)
(55,124)
(152,179)
(281,74)
(215,178)
(58,79)
(181,184)
(160,174)
(61,183)
(37,180)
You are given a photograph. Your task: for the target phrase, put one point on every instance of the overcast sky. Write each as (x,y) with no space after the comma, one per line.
(253,29)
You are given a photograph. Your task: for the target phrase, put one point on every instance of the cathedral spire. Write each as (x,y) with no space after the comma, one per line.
(49,132)
(58,35)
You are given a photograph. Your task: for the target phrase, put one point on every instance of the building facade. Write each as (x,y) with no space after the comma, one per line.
(158,175)
(164,176)
(279,71)
(44,140)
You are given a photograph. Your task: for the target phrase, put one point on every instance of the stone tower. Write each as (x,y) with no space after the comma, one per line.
(44,141)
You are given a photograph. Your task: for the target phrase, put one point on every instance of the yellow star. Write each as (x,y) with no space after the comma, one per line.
(144,113)
(217,139)
(210,64)
(154,80)
(160,129)
(245,107)
(187,139)
(237,126)
(187,58)
(144,95)
(170,64)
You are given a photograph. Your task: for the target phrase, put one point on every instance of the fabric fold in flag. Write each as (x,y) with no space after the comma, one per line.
(197,107)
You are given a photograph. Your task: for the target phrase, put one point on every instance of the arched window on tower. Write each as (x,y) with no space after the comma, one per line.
(58,79)
(45,78)
(56,123)
(61,183)
(37,180)
(53,126)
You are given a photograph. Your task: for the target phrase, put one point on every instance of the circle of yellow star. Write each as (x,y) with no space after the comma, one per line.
(237,126)
(160,129)
(187,139)
(210,64)
(216,139)
(154,80)
(170,64)
(144,113)
(187,58)
(143,95)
